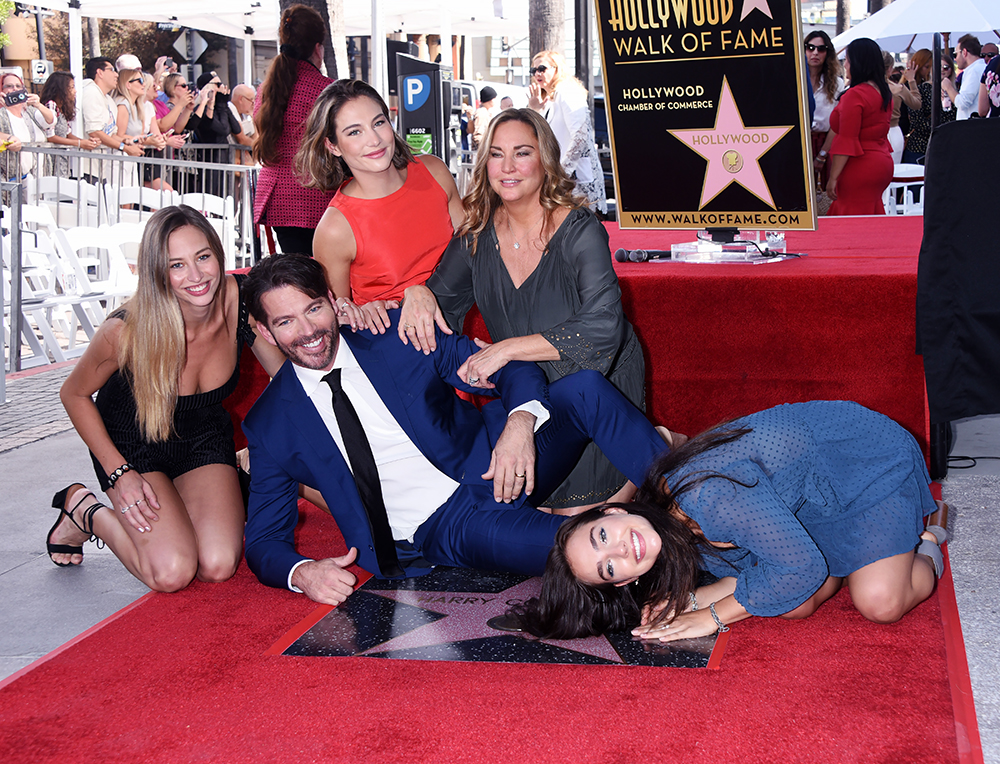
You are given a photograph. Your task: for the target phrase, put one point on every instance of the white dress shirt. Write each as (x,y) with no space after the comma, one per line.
(412,487)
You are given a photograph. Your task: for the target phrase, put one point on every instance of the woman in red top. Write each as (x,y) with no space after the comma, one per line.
(393,215)
(290,89)
(860,156)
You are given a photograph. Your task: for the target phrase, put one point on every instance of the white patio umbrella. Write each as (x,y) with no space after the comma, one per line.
(908,25)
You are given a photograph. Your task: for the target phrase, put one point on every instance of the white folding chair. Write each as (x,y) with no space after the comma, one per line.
(72,202)
(221,213)
(121,282)
(135,204)
(128,237)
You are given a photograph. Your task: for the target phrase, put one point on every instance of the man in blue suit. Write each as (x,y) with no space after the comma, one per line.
(459,486)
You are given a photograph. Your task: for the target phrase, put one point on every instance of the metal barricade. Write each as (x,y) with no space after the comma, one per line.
(94,189)
(12,192)
(105,187)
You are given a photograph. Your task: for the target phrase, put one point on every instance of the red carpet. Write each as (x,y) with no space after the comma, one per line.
(184,677)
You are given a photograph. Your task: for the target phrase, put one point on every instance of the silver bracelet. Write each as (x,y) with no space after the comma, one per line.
(694,602)
(715,617)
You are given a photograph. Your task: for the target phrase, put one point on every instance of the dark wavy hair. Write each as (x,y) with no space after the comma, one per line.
(280,270)
(868,65)
(566,608)
(831,67)
(300,31)
(57,90)
(318,167)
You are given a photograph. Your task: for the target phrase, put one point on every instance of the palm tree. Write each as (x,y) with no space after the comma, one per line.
(546,23)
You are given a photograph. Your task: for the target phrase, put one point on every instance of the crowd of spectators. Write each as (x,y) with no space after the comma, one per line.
(124,110)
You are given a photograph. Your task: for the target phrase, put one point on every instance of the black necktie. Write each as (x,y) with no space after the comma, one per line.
(359,452)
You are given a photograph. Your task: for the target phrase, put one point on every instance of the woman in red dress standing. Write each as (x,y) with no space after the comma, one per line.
(860,156)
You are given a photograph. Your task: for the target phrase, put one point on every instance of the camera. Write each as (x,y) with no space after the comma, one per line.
(18,96)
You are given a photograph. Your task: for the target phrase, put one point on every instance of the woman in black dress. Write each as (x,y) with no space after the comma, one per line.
(536,262)
(161,442)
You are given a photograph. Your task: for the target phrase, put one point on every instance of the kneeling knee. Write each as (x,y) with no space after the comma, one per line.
(885,608)
(173,578)
(804,610)
(216,574)
(218,569)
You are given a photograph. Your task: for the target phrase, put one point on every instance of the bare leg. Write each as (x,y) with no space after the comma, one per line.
(168,557)
(888,589)
(830,587)
(214,503)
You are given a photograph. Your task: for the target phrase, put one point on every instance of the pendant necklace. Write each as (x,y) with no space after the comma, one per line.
(517,244)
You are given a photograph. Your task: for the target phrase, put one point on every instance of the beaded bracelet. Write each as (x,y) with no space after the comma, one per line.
(113,477)
(715,617)
(694,602)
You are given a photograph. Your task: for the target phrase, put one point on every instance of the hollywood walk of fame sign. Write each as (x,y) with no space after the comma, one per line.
(708,113)
(444,616)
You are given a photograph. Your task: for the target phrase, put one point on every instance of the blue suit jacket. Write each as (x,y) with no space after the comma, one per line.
(289,444)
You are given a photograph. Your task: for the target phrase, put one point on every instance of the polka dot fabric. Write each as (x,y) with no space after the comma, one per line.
(828,487)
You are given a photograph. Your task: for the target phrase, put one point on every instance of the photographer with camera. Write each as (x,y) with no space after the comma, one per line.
(23,119)
(215,120)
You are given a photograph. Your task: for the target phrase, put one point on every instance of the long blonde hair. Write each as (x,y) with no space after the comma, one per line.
(152,349)
(557,190)
(136,108)
(562,77)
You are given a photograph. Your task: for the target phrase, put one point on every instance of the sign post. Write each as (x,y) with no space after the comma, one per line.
(708,115)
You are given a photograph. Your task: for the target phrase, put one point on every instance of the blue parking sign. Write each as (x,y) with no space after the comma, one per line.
(416,89)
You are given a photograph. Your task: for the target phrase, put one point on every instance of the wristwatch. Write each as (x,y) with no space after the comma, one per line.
(121,146)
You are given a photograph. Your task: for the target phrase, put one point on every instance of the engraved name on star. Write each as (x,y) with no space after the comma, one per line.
(732,150)
(760,5)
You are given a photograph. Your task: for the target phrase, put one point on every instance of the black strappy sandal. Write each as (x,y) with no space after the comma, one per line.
(87,524)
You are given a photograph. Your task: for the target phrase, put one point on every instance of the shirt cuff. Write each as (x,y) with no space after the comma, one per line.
(533,407)
(292,572)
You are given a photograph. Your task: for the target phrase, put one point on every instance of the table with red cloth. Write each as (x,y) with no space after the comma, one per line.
(724,340)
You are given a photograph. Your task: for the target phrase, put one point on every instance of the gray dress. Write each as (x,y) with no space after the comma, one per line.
(573,300)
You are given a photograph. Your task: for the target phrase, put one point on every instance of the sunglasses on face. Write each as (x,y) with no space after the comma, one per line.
(541,69)
(181,85)
(988,56)
(810,48)
(137,79)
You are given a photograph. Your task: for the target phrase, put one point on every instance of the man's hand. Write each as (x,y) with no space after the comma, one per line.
(512,466)
(327,581)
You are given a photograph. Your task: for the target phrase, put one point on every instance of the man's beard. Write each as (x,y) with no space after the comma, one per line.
(310,361)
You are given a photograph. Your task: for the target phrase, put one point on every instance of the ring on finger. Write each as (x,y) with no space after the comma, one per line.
(473,380)
(519,476)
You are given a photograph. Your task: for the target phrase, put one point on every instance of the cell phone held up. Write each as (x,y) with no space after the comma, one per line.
(16,97)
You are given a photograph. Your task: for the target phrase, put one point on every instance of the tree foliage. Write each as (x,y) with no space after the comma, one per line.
(141,38)
(6,9)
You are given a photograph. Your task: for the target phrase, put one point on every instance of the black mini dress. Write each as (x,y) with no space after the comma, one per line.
(203,429)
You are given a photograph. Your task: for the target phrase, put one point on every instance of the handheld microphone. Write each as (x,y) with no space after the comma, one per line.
(641,255)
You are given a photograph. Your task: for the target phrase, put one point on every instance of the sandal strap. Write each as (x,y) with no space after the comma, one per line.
(86,524)
(941,534)
(63,549)
(929,549)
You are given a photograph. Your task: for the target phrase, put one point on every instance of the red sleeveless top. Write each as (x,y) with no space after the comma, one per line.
(400,238)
